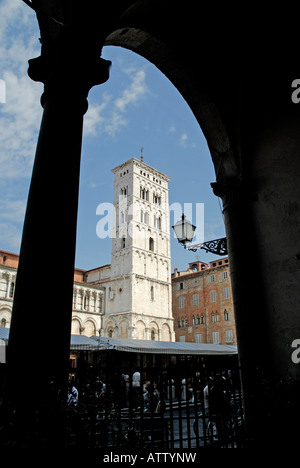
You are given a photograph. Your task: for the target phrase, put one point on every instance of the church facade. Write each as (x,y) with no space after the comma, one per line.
(131,297)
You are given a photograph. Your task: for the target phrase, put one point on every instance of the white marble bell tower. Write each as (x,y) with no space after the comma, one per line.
(138,292)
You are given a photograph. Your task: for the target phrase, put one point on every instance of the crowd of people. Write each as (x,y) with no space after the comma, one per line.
(212,390)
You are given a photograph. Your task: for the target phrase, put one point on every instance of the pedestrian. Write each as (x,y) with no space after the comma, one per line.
(72,394)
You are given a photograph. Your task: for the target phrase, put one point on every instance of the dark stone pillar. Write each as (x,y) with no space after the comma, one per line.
(38,349)
(262,219)
(254,351)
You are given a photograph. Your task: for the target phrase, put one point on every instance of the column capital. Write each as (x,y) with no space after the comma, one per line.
(229,189)
(68,72)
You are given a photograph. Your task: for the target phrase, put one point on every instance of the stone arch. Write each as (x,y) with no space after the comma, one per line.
(5,316)
(90,327)
(165,332)
(76,326)
(154,331)
(140,329)
(110,329)
(123,327)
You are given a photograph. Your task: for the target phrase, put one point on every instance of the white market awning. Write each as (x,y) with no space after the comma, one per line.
(94,343)
(165,347)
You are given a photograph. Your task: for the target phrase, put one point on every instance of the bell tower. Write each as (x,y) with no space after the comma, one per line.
(139,290)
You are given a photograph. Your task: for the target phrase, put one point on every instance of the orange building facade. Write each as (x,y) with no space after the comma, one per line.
(202,303)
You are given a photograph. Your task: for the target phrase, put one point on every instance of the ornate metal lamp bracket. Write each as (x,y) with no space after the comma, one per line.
(217,246)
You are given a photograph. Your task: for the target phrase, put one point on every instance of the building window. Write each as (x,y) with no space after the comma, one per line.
(212,278)
(178,323)
(123,244)
(195,299)
(202,319)
(92,303)
(229,336)
(181,302)
(215,317)
(181,285)
(74,299)
(195,282)
(123,217)
(181,338)
(198,337)
(144,194)
(193,320)
(224,275)
(186,322)
(157,222)
(152,293)
(213,296)
(86,303)
(215,337)
(152,335)
(123,192)
(11,290)
(144,217)
(156,199)
(226,315)
(151,244)
(3,323)
(80,301)
(226,293)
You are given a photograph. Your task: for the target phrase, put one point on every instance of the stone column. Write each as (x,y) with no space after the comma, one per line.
(254,351)
(263,246)
(38,356)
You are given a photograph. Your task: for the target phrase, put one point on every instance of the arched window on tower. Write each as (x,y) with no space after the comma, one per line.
(11,290)
(151,244)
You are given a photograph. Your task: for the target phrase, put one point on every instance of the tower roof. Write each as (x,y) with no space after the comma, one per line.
(142,165)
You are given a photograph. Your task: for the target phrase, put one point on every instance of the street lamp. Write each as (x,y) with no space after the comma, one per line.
(184,231)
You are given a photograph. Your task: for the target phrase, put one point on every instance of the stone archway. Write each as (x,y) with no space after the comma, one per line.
(248,99)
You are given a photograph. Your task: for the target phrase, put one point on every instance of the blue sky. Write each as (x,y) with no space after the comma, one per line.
(138,107)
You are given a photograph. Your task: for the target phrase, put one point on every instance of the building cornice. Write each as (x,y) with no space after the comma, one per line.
(142,165)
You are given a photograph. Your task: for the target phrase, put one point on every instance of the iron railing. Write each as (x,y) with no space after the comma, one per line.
(178,401)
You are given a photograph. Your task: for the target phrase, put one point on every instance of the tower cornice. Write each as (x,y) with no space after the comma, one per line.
(142,165)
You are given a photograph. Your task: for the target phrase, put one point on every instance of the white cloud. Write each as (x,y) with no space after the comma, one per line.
(183,139)
(133,93)
(114,123)
(110,115)
(93,118)
(20,115)
(19,124)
